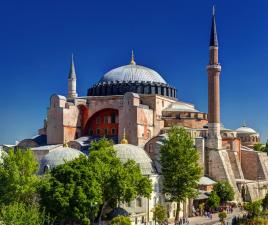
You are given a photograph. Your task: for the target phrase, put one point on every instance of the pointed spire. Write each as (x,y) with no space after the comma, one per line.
(72,74)
(132,62)
(213,33)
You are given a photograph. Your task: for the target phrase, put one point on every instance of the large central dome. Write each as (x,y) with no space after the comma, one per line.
(132,78)
(132,73)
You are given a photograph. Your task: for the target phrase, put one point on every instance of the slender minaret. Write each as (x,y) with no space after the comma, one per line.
(72,81)
(214,68)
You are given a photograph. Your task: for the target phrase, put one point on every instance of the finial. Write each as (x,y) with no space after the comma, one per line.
(244,124)
(132,62)
(65,144)
(124,140)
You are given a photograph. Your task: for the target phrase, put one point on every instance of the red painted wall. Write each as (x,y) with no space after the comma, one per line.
(101,121)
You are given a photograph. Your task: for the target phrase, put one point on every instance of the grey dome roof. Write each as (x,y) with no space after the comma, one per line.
(245,129)
(132,73)
(58,156)
(127,151)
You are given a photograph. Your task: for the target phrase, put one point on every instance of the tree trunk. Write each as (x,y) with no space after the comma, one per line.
(178,212)
(102,208)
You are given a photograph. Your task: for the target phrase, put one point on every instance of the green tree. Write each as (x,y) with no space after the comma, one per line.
(213,201)
(71,192)
(23,214)
(222,216)
(120,182)
(225,191)
(254,208)
(121,220)
(18,179)
(79,190)
(159,213)
(180,167)
(259,147)
(265,202)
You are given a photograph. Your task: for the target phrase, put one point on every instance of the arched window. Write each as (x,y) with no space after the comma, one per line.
(139,202)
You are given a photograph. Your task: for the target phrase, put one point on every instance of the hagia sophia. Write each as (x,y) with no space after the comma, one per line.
(135,106)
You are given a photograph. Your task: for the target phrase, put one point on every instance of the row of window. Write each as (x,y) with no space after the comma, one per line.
(105,131)
(106,119)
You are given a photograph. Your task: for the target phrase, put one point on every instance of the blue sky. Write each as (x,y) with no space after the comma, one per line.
(38,37)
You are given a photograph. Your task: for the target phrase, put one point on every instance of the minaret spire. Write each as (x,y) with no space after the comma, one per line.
(214,69)
(213,33)
(72,80)
(72,73)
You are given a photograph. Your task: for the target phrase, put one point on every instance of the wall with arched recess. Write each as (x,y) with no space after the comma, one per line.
(83,118)
(103,123)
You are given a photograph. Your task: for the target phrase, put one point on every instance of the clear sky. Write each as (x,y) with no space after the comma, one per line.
(37,39)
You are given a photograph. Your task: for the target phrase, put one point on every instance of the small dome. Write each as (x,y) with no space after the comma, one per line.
(132,73)
(180,107)
(58,156)
(245,129)
(127,151)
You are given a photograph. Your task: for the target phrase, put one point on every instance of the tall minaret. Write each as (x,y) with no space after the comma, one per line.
(72,81)
(214,68)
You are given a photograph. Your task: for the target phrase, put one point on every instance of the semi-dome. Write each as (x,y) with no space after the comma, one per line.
(132,73)
(58,156)
(132,152)
(245,129)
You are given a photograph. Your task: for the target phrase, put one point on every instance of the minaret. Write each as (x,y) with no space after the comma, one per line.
(72,81)
(214,137)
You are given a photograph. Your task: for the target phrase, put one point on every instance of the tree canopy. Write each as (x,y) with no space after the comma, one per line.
(160,213)
(120,182)
(81,189)
(121,220)
(71,191)
(179,165)
(224,190)
(18,179)
(213,201)
(23,214)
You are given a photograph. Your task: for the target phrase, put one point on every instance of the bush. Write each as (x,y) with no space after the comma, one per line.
(213,200)
(160,213)
(22,214)
(222,216)
(254,208)
(121,220)
(224,190)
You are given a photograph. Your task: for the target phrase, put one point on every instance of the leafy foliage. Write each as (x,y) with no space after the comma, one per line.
(214,200)
(160,213)
(71,190)
(77,190)
(254,208)
(120,182)
(265,202)
(259,147)
(224,190)
(180,167)
(121,220)
(222,216)
(22,214)
(18,179)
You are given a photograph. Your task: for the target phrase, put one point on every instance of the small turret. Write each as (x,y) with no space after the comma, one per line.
(72,81)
